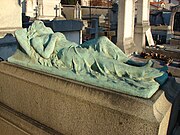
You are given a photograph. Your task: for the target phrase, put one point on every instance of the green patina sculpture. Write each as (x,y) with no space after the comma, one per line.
(98,62)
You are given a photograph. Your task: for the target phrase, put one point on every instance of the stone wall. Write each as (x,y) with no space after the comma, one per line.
(10,15)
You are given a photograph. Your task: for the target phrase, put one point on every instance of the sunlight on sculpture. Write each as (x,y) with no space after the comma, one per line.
(97,62)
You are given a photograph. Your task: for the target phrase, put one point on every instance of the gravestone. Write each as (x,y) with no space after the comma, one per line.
(56,9)
(85,2)
(10,16)
(37,11)
(102,19)
(77,11)
(149,37)
(43,9)
(29,8)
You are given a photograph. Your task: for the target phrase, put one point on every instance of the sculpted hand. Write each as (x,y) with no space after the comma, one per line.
(45,62)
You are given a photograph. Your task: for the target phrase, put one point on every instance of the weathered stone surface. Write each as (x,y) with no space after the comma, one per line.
(75,108)
(8,129)
(15,123)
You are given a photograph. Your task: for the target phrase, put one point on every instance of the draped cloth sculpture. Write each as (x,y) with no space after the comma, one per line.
(96,62)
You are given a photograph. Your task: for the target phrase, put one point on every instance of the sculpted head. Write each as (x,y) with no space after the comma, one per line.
(37,29)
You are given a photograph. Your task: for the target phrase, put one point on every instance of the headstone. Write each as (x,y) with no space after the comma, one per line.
(30,6)
(77,11)
(149,37)
(43,9)
(85,2)
(10,16)
(102,19)
(56,9)
(37,11)
(40,9)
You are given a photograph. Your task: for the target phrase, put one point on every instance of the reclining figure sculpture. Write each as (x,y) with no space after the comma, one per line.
(97,61)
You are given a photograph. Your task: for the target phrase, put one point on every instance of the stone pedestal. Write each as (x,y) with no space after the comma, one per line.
(15,123)
(142,28)
(70,107)
(140,36)
(125,33)
(10,16)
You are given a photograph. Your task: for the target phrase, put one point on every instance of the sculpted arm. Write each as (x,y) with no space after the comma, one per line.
(44,45)
(21,36)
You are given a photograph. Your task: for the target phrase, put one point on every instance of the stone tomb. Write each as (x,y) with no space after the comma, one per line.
(40,103)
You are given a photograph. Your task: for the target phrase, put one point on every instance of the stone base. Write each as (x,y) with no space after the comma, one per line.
(15,123)
(127,46)
(142,32)
(71,107)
